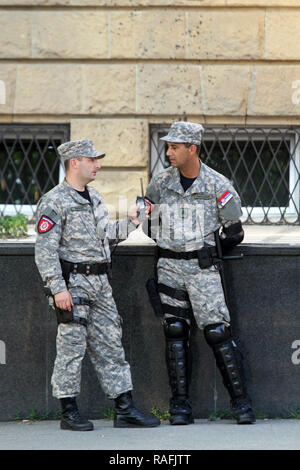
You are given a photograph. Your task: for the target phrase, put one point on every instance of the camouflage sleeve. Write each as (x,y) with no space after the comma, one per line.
(48,230)
(153,192)
(228,203)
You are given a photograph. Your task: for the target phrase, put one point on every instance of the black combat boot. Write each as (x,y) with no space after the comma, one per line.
(242,410)
(127,416)
(229,363)
(180,411)
(178,361)
(71,418)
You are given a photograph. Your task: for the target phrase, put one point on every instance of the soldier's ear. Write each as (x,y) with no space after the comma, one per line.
(193,148)
(73,163)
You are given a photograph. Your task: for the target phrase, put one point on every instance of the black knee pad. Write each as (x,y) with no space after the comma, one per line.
(217,333)
(178,357)
(228,358)
(176,329)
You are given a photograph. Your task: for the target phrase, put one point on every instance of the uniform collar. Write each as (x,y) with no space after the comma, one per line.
(200,182)
(74,194)
(173,182)
(198,185)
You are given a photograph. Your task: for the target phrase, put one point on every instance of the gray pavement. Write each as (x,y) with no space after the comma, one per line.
(280,434)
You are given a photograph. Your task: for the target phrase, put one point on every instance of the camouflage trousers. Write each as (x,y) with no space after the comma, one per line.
(203,286)
(102,339)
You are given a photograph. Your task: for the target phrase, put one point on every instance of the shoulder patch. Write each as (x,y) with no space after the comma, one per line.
(148,205)
(45,224)
(222,201)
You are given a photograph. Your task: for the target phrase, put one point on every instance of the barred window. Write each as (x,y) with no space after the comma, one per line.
(29,164)
(262,163)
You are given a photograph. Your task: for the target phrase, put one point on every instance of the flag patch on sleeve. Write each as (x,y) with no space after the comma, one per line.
(222,201)
(45,224)
(148,206)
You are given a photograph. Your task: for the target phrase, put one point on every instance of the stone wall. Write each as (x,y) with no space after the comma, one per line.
(112,68)
(265,327)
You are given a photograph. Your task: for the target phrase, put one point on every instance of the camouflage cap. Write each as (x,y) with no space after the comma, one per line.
(185,132)
(78,148)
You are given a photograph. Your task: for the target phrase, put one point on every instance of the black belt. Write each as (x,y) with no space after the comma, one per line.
(83,268)
(164,253)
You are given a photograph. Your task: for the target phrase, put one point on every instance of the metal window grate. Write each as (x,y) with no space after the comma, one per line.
(29,164)
(262,163)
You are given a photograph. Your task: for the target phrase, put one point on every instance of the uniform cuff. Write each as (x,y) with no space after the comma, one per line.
(57,285)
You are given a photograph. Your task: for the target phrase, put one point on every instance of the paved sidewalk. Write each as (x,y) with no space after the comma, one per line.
(202,435)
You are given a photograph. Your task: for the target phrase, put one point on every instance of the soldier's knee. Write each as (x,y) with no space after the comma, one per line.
(176,328)
(216,333)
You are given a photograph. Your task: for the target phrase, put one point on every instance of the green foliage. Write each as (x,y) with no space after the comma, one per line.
(17,416)
(261,415)
(57,414)
(295,414)
(13,226)
(32,415)
(163,416)
(109,413)
(220,414)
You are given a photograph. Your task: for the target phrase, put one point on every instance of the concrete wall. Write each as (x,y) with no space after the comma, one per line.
(112,68)
(264,304)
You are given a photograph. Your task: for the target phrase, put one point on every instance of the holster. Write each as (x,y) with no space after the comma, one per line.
(205,257)
(66,316)
(160,309)
(152,289)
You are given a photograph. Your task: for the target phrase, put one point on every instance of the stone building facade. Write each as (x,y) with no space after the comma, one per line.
(112,68)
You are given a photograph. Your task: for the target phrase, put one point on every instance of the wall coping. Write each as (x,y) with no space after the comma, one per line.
(27,249)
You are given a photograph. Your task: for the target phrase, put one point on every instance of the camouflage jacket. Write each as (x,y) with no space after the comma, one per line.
(183,221)
(69,227)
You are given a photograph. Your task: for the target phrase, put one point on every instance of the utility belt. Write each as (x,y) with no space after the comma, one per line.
(82,268)
(207,255)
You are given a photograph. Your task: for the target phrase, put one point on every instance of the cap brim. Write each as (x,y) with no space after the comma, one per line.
(170,139)
(98,155)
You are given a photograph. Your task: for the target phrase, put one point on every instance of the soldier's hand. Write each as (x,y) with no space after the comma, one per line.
(133,214)
(63,300)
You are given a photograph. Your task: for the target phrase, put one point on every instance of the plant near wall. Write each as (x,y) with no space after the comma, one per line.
(13,226)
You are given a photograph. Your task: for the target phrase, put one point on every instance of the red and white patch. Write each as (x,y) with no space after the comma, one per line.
(148,206)
(222,201)
(45,224)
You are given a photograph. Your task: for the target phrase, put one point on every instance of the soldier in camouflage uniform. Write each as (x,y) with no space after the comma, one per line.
(72,255)
(189,202)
